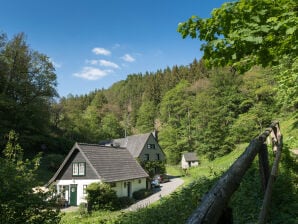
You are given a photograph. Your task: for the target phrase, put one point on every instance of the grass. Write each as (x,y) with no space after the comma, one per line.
(95,217)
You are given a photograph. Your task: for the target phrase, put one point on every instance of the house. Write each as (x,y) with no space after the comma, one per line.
(189,159)
(143,147)
(89,163)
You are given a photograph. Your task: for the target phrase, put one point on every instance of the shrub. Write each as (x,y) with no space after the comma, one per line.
(124,202)
(152,166)
(101,196)
(83,209)
(140,194)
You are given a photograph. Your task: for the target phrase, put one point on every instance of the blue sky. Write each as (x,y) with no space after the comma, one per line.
(95,43)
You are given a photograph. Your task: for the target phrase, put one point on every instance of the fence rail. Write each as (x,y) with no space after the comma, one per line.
(213,208)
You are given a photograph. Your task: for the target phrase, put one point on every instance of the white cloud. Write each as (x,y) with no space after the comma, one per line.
(92,62)
(102,51)
(128,58)
(106,63)
(103,63)
(91,73)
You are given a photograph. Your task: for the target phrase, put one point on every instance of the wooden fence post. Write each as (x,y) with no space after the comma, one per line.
(264,166)
(273,175)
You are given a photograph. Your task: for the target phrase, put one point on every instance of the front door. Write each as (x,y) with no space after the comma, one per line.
(73,195)
(128,189)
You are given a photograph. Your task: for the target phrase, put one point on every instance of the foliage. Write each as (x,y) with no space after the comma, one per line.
(28,82)
(19,204)
(83,209)
(245,33)
(153,167)
(141,194)
(101,196)
(145,117)
(124,202)
(283,208)
(100,217)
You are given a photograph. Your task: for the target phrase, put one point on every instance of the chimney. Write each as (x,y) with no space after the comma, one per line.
(155,135)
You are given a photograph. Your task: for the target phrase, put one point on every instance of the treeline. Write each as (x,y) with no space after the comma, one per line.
(192,107)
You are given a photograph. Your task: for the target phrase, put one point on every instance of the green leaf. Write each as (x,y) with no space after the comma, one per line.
(291,30)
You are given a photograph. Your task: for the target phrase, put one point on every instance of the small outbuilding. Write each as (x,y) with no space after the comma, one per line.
(189,159)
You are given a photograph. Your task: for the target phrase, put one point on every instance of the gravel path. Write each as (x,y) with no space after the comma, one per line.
(165,189)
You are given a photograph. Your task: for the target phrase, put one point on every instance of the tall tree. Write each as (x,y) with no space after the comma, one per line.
(176,117)
(28,84)
(145,117)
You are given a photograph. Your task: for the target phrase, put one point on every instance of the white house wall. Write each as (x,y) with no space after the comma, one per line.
(80,183)
(194,163)
(121,187)
(184,164)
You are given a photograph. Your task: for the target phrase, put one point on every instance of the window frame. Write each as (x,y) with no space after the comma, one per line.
(84,189)
(151,146)
(147,157)
(77,166)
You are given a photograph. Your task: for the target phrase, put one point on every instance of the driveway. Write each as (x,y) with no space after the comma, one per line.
(165,189)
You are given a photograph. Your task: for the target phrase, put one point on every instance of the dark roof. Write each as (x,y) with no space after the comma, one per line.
(109,164)
(190,156)
(133,143)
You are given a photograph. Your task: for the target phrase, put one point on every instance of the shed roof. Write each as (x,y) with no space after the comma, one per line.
(190,156)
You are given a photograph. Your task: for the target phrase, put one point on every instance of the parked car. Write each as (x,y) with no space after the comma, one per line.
(162,178)
(155,183)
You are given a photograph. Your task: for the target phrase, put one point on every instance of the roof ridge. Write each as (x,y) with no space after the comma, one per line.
(101,146)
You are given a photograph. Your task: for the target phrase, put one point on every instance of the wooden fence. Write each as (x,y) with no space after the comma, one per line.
(214,205)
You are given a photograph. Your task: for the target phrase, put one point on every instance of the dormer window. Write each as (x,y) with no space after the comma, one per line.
(150,146)
(79,169)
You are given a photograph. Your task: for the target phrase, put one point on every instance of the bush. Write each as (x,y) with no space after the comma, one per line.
(83,209)
(124,202)
(101,196)
(140,194)
(152,166)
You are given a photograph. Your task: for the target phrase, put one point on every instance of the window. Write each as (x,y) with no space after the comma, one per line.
(79,169)
(150,146)
(84,189)
(75,169)
(147,157)
(140,181)
(113,184)
(157,155)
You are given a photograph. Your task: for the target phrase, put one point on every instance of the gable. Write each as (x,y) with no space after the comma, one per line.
(67,173)
(152,149)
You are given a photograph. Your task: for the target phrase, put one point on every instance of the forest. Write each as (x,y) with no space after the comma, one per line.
(246,79)
(193,107)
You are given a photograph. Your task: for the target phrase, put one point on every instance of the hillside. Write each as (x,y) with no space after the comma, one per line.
(246,201)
